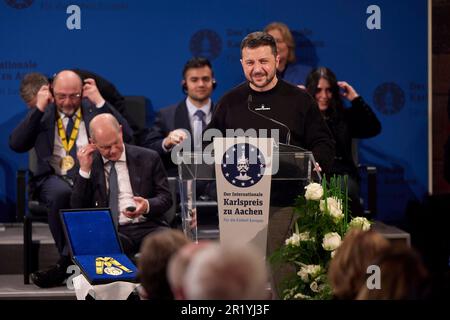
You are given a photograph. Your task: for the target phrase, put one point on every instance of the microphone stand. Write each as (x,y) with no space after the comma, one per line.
(288,135)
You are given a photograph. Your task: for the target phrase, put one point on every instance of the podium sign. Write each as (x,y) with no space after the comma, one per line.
(243,167)
(271,181)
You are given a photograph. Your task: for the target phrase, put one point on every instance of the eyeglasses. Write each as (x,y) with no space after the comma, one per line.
(61,97)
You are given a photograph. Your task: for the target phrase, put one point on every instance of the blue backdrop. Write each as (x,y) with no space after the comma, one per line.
(142,46)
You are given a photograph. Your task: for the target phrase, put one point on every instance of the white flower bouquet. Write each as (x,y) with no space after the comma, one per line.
(322,221)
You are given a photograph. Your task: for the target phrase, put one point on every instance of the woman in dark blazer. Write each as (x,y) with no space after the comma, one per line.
(357,121)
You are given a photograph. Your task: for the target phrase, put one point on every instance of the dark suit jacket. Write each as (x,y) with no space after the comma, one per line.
(148,180)
(37,131)
(169,119)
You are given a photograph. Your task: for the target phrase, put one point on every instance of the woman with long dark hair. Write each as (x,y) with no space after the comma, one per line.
(357,121)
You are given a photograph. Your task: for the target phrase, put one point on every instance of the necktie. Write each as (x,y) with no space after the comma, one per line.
(69,127)
(200,115)
(73,150)
(114,194)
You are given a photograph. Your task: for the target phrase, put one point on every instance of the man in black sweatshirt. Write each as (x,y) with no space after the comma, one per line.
(291,110)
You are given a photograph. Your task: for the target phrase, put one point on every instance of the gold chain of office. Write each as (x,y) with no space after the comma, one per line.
(68,161)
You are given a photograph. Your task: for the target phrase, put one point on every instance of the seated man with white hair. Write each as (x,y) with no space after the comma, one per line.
(179,264)
(226,272)
(128,179)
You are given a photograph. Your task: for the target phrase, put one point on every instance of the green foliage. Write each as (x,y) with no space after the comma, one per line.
(321,221)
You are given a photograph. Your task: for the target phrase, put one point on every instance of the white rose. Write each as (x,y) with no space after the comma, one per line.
(313,191)
(301,296)
(331,241)
(289,293)
(359,223)
(309,271)
(294,240)
(334,207)
(333,253)
(314,286)
(314,269)
(303,275)
(304,236)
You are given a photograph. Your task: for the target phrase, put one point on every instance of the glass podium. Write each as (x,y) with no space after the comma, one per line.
(294,168)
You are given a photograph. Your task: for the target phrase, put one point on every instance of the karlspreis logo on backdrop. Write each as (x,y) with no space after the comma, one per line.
(243,165)
(19,4)
(206,43)
(389,98)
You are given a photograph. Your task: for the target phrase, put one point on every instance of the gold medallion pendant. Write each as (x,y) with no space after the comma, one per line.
(67,163)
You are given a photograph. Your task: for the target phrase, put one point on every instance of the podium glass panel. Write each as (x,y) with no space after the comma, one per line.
(196,176)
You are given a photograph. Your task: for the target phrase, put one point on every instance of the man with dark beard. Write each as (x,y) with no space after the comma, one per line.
(289,107)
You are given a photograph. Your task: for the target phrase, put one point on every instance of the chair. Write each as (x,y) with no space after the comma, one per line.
(29,209)
(370,210)
(369,172)
(135,111)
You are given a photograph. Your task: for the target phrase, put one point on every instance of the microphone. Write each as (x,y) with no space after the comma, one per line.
(288,135)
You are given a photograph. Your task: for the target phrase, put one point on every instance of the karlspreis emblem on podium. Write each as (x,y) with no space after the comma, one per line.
(243,165)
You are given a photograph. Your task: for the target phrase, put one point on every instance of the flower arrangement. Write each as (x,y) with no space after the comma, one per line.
(322,220)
